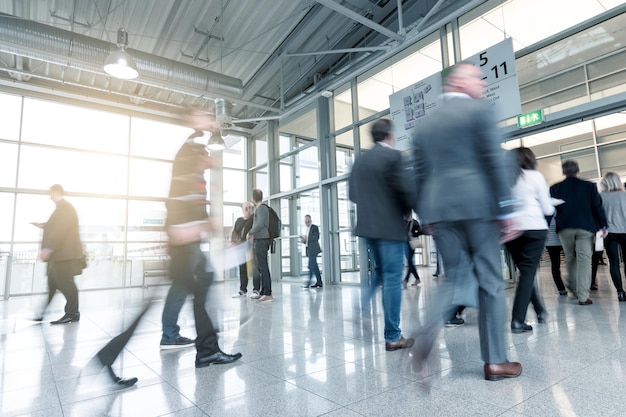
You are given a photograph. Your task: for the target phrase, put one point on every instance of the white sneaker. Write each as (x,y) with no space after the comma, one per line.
(239,294)
(266,299)
(255,295)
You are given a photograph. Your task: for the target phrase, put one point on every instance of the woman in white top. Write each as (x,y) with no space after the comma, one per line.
(614,203)
(533,204)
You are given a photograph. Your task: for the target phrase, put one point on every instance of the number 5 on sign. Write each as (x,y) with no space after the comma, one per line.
(498,64)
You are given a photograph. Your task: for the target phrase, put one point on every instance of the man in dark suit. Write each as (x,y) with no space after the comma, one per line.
(577,221)
(62,249)
(312,241)
(379,187)
(464,200)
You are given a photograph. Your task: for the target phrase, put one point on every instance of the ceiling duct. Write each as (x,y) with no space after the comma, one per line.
(49,44)
(223,113)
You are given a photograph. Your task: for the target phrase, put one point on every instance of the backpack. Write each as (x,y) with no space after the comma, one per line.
(274,224)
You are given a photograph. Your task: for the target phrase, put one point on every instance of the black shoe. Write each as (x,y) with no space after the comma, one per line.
(455,322)
(594,287)
(621,296)
(68,318)
(562,292)
(217,358)
(121,383)
(317,286)
(306,287)
(517,327)
(541,317)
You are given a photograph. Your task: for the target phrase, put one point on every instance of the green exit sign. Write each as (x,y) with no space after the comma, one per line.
(530,119)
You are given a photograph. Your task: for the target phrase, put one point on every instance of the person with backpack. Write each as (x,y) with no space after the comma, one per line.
(259,237)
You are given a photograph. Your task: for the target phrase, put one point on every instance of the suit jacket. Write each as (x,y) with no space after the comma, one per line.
(313,241)
(380,187)
(582,208)
(240,229)
(60,234)
(462,172)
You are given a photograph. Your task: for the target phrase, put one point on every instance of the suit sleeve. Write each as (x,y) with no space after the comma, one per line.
(314,236)
(400,180)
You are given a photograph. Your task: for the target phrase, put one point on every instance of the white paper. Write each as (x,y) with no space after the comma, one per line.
(230,257)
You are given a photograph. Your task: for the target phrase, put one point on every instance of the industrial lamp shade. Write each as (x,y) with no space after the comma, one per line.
(216,142)
(120,64)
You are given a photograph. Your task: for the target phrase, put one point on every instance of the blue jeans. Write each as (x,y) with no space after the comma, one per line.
(388,257)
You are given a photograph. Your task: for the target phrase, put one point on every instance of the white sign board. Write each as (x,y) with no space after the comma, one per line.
(409,105)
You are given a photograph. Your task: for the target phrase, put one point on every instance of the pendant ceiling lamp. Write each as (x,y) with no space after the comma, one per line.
(216,141)
(120,64)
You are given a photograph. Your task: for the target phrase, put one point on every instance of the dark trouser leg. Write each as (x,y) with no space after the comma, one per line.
(111,350)
(612,245)
(243,277)
(410,267)
(555,264)
(62,274)
(188,268)
(595,261)
(526,252)
(174,302)
(206,341)
(314,269)
(261,247)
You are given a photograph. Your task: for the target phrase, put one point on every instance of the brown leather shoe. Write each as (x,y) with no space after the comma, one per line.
(585,303)
(400,344)
(495,372)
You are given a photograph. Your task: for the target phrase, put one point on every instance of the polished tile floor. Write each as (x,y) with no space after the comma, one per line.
(311,353)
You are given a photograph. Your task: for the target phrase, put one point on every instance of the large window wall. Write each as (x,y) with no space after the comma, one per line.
(116,172)
(565,59)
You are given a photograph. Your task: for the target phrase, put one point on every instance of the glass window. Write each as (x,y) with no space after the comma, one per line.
(286,173)
(304,125)
(234,186)
(308,167)
(611,128)
(261,182)
(487,25)
(260,150)
(11,109)
(284,144)
(74,170)
(6,216)
(406,68)
(612,158)
(8,164)
(234,156)
(345,159)
(550,168)
(365,136)
(231,214)
(562,139)
(75,127)
(154,139)
(146,221)
(342,106)
(149,178)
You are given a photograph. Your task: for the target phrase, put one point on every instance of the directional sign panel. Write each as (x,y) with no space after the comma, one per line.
(412,104)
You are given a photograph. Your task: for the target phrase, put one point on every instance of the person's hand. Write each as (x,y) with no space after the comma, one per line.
(605,232)
(428,229)
(44,255)
(506,231)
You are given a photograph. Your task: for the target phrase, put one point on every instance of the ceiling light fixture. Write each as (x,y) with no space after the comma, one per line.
(120,64)
(216,141)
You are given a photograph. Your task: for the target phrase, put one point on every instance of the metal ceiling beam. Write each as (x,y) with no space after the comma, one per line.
(340,51)
(361,19)
(432,11)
